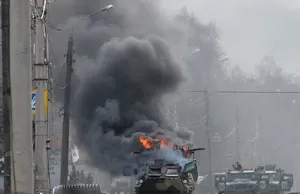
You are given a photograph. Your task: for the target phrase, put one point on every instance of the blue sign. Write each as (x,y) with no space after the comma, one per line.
(33,102)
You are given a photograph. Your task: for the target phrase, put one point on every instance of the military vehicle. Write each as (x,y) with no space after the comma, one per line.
(236,181)
(272,180)
(263,179)
(164,177)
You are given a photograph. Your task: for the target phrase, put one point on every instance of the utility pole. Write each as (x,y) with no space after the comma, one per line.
(50,114)
(225,152)
(40,82)
(259,137)
(237,136)
(66,120)
(22,179)
(253,143)
(5,24)
(206,100)
(67,98)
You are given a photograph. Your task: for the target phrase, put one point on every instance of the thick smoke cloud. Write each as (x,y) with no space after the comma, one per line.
(125,68)
(122,99)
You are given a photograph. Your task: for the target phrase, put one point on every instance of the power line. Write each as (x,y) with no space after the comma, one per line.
(245,92)
(53,27)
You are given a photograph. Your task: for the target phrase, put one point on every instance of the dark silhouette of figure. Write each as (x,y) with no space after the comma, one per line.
(72,180)
(73,175)
(89,179)
(77,177)
(237,166)
(82,177)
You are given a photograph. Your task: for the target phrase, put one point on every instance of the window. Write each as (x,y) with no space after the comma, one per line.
(172,171)
(154,171)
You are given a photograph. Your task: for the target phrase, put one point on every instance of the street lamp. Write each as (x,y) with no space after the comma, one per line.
(196,51)
(226,58)
(106,8)
(66,119)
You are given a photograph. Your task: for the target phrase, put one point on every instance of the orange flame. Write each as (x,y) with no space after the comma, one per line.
(146,142)
(187,154)
(164,143)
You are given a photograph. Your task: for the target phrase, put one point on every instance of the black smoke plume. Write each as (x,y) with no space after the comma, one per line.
(121,99)
(124,70)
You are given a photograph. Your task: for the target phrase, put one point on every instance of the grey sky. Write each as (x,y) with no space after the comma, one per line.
(251,28)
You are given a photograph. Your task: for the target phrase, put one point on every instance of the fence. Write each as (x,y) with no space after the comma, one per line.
(77,189)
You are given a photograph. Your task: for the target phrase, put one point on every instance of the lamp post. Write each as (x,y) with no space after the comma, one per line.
(66,119)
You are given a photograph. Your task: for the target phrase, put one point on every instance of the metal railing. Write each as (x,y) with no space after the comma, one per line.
(77,189)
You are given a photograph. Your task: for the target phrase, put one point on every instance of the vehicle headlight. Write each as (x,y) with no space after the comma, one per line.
(221,186)
(184,181)
(223,178)
(122,192)
(141,181)
(262,185)
(217,178)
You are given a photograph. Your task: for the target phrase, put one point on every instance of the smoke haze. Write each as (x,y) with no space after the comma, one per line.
(267,26)
(268,123)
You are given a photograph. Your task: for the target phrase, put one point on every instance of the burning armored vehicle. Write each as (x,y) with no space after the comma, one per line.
(162,176)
